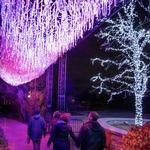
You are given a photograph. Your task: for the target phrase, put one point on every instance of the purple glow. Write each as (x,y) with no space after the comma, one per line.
(34,36)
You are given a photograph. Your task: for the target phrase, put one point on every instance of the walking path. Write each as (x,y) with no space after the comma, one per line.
(16,134)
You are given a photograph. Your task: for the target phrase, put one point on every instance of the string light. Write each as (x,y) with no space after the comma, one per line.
(35,33)
(133,63)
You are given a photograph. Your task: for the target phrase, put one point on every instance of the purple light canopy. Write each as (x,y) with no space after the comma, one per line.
(34,34)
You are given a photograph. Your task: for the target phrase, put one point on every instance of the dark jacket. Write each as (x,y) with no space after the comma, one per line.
(60,136)
(36,127)
(91,136)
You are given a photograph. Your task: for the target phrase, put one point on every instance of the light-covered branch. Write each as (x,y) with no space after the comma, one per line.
(132,68)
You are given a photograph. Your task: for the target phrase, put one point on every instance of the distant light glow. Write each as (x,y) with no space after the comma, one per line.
(35,33)
(29,96)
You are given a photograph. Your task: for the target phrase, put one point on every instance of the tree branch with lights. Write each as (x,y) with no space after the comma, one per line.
(130,62)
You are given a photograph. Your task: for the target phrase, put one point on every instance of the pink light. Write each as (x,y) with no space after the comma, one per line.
(33,37)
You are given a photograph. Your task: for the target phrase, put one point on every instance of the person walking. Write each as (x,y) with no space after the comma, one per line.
(91,135)
(36,128)
(55,119)
(61,132)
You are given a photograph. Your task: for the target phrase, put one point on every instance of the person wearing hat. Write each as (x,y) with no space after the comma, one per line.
(91,135)
(60,133)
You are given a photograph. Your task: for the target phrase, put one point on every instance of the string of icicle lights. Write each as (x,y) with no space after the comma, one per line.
(35,32)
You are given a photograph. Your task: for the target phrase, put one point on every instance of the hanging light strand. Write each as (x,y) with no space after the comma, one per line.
(35,33)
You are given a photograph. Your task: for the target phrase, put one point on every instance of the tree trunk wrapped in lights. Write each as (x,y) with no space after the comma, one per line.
(34,33)
(128,42)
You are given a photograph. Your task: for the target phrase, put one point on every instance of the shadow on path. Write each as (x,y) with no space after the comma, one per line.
(15,133)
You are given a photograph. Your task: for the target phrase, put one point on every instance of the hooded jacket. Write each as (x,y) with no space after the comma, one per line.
(36,127)
(91,136)
(60,136)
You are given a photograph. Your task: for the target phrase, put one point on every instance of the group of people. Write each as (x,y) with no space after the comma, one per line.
(91,135)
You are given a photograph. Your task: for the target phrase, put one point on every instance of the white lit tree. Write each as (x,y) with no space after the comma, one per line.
(126,41)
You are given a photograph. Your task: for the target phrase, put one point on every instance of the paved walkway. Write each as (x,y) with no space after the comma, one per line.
(15,133)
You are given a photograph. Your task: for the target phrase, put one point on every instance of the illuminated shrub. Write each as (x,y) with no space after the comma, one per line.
(138,138)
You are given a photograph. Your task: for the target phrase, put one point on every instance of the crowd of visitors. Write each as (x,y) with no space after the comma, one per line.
(91,135)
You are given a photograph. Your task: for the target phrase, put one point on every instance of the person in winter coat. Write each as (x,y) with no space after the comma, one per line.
(92,135)
(61,132)
(55,119)
(36,128)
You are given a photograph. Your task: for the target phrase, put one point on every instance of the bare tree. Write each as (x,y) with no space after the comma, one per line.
(126,39)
